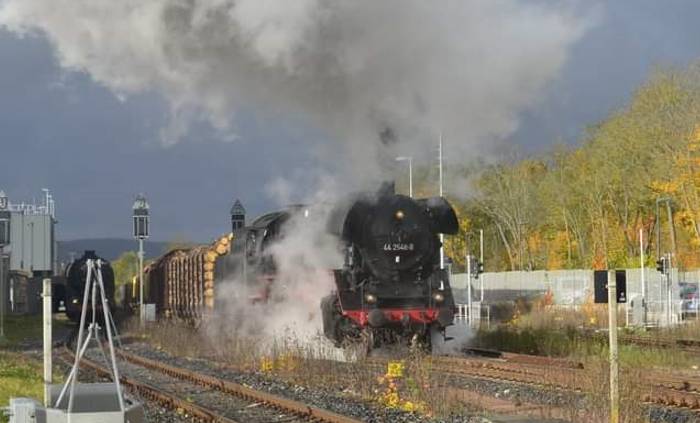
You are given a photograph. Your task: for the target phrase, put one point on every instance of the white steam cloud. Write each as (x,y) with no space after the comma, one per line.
(303,258)
(360,71)
(350,68)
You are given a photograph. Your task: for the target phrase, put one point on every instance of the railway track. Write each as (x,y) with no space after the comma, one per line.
(665,389)
(220,401)
(687,345)
(669,390)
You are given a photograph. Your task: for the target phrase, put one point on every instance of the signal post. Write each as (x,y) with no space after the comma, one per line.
(610,286)
(614,357)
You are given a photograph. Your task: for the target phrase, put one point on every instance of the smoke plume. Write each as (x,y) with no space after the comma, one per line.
(377,78)
(358,70)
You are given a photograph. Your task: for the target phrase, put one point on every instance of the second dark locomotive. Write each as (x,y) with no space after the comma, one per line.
(76,274)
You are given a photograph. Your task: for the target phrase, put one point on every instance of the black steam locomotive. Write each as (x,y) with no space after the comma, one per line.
(250,262)
(391,287)
(76,274)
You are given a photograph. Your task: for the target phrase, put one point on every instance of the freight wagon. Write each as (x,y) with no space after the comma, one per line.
(181,282)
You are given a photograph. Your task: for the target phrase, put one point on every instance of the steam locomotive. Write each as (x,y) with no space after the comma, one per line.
(250,261)
(391,287)
(75,275)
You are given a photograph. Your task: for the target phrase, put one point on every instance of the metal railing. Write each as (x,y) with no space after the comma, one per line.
(476,316)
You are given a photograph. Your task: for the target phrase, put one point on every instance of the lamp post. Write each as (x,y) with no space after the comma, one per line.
(141,232)
(4,240)
(409,159)
(442,236)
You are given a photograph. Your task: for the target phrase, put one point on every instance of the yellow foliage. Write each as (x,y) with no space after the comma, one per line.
(267,364)
(285,362)
(392,383)
(395,369)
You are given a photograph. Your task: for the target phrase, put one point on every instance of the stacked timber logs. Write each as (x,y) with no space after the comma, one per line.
(221,247)
(181,282)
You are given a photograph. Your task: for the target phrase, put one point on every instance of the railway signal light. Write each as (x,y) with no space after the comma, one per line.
(476,267)
(141,232)
(661,265)
(4,228)
(141,218)
(601,279)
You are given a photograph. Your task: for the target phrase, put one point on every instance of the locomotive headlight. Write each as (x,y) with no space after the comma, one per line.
(75,301)
(438,297)
(371,299)
(400,215)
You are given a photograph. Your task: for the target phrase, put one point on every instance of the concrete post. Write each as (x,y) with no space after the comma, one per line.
(48,365)
(469,289)
(142,309)
(3,300)
(612,327)
(481,260)
(643,277)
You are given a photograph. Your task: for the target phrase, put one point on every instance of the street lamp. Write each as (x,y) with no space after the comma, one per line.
(4,240)
(141,232)
(409,159)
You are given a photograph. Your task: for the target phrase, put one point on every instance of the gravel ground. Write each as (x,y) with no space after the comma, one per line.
(154,412)
(524,393)
(326,399)
(672,415)
(336,402)
(227,405)
(517,392)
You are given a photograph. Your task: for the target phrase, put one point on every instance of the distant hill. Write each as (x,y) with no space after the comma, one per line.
(109,248)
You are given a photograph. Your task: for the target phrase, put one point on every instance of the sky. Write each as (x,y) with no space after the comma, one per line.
(96,141)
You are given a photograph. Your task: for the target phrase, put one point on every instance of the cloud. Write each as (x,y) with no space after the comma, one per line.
(352,69)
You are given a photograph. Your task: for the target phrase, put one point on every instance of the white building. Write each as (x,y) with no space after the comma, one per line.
(32,247)
(31,251)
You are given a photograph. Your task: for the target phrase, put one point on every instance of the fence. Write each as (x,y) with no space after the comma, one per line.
(574,288)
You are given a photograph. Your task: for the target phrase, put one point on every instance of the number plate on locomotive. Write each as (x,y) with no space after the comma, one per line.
(398,247)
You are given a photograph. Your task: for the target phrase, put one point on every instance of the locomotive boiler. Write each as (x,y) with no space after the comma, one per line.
(76,274)
(391,287)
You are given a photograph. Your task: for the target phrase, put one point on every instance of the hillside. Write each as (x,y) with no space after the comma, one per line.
(109,248)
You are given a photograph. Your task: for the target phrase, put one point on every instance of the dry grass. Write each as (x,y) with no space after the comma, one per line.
(313,364)
(580,335)
(546,330)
